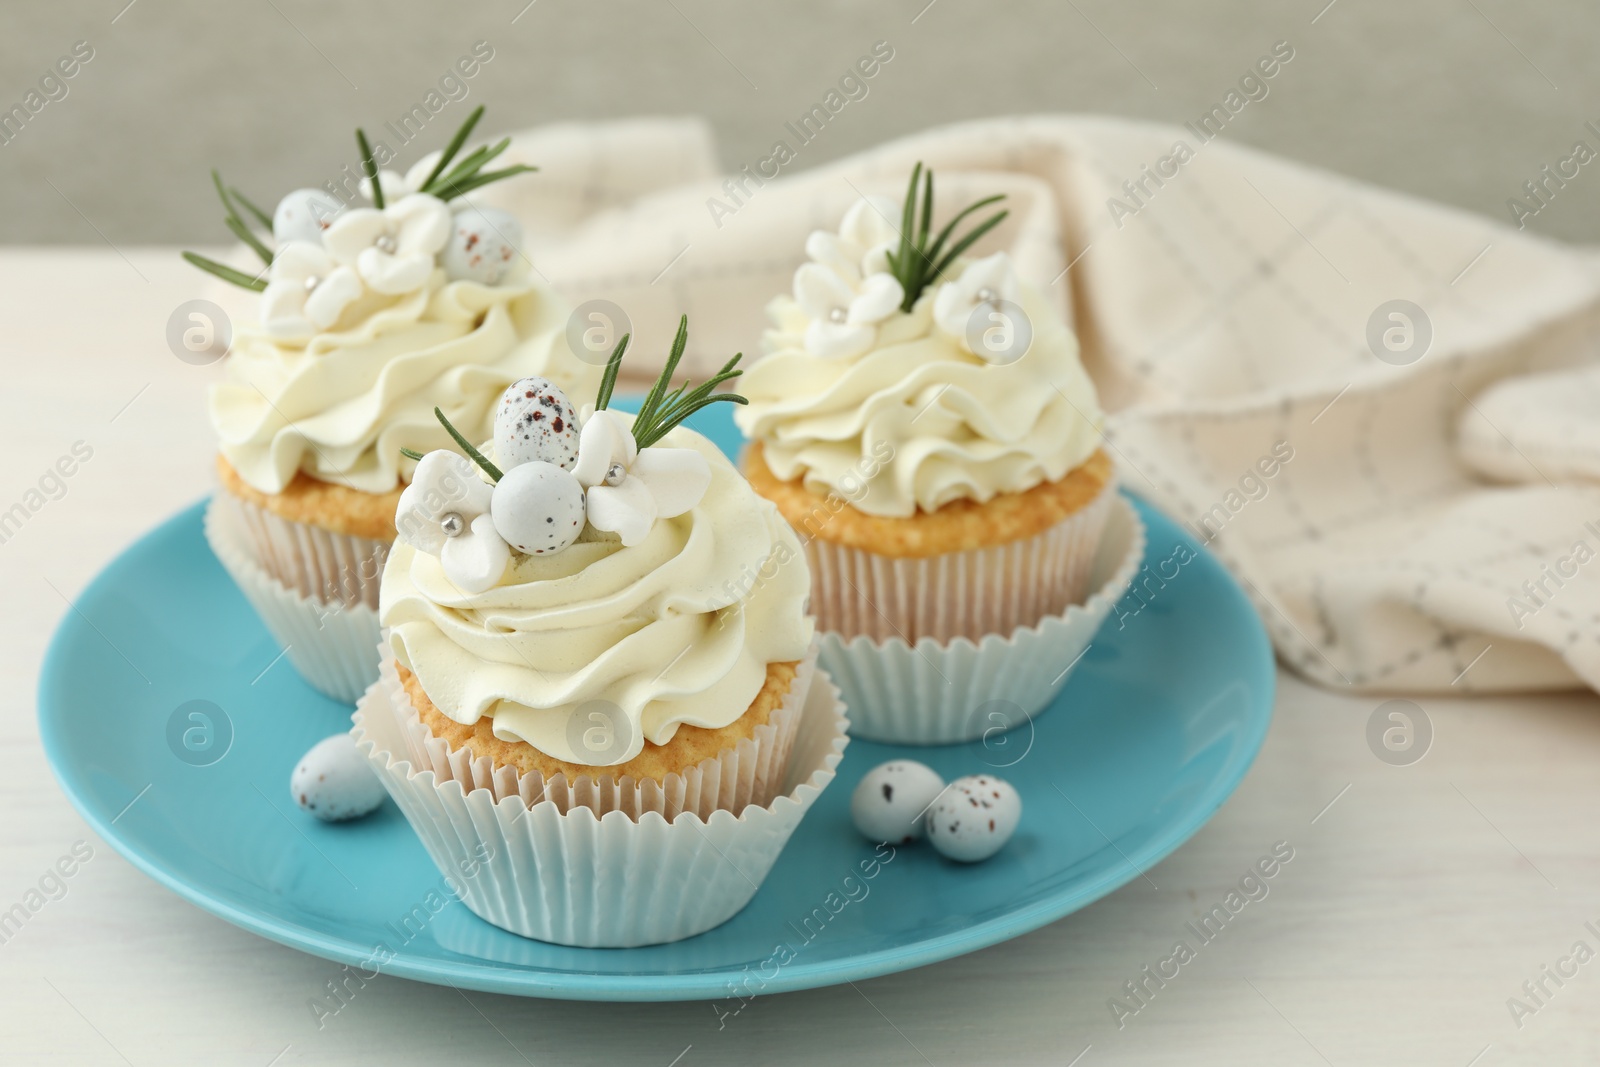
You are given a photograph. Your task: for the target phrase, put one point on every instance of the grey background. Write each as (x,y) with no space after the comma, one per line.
(1458,100)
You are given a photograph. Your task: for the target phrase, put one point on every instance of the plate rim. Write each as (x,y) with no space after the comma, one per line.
(496,977)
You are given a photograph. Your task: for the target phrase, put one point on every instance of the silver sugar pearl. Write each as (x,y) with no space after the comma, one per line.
(384,243)
(837,315)
(615,474)
(312,282)
(988,296)
(451,524)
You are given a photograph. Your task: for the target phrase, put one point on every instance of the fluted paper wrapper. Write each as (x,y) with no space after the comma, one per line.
(331,643)
(316,563)
(750,772)
(944,692)
(969,594)
(611,880)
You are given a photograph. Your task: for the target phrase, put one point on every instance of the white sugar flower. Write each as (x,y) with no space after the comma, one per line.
(862,245)
(307,291)
(396,186)
(393,248)
(627,488)
(991,282)
(846,289)
(844,317)
(445,512)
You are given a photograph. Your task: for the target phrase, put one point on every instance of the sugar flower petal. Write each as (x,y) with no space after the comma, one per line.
(676,477)
(327,301)
(880,297)
(628,510)
(353,232)
(868,222)
(475,560)
(820,291)
(443,483)
(838,340)
(956,300)
(603,441)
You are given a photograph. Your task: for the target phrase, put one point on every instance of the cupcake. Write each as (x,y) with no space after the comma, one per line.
(598,668)
(371,317)
(923,420)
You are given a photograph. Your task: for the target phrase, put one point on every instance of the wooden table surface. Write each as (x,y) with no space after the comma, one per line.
(1419,900)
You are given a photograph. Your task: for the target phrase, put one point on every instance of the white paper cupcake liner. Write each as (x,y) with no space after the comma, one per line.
(751,772)
(316,563)
(599,881)
(968,594)
(333,644)
(937,693)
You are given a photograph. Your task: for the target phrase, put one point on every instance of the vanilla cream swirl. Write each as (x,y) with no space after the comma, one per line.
(341,407)
(917,421)
(677,629)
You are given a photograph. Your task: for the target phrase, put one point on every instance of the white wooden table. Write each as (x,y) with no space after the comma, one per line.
(1416,904)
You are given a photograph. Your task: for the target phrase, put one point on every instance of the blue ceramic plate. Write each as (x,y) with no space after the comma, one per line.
(1152,733)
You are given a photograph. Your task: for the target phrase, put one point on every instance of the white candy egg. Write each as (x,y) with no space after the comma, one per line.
(890,800)
(483,245)
(334,782)
(538,508)
(303,215)
(974,818)
(535,421)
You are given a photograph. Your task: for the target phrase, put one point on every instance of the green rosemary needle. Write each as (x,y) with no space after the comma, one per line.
(661,413)
(369,167)
(225,272)
(917,264)
(466,446)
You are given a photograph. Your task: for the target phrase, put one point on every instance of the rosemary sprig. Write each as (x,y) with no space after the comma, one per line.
(682,405)
(466,446)
(261,216)
(917,264)
(661,413)
(476,159)
(454,189)
(240,229)
(454,146)
(235,222)
(608,380)
(369,167)
(469,173)
(447,183)
(222,194)
(653,397)
(242,232)
(225,272)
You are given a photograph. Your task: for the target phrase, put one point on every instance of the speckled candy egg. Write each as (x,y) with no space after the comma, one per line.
(334,782)
(974,818)
(483,245)
(890,800)
(538,508)
(303,215)
(535,421)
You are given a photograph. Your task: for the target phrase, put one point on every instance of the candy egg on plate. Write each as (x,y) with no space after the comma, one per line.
(334,782)
(974,818)
(891,799)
